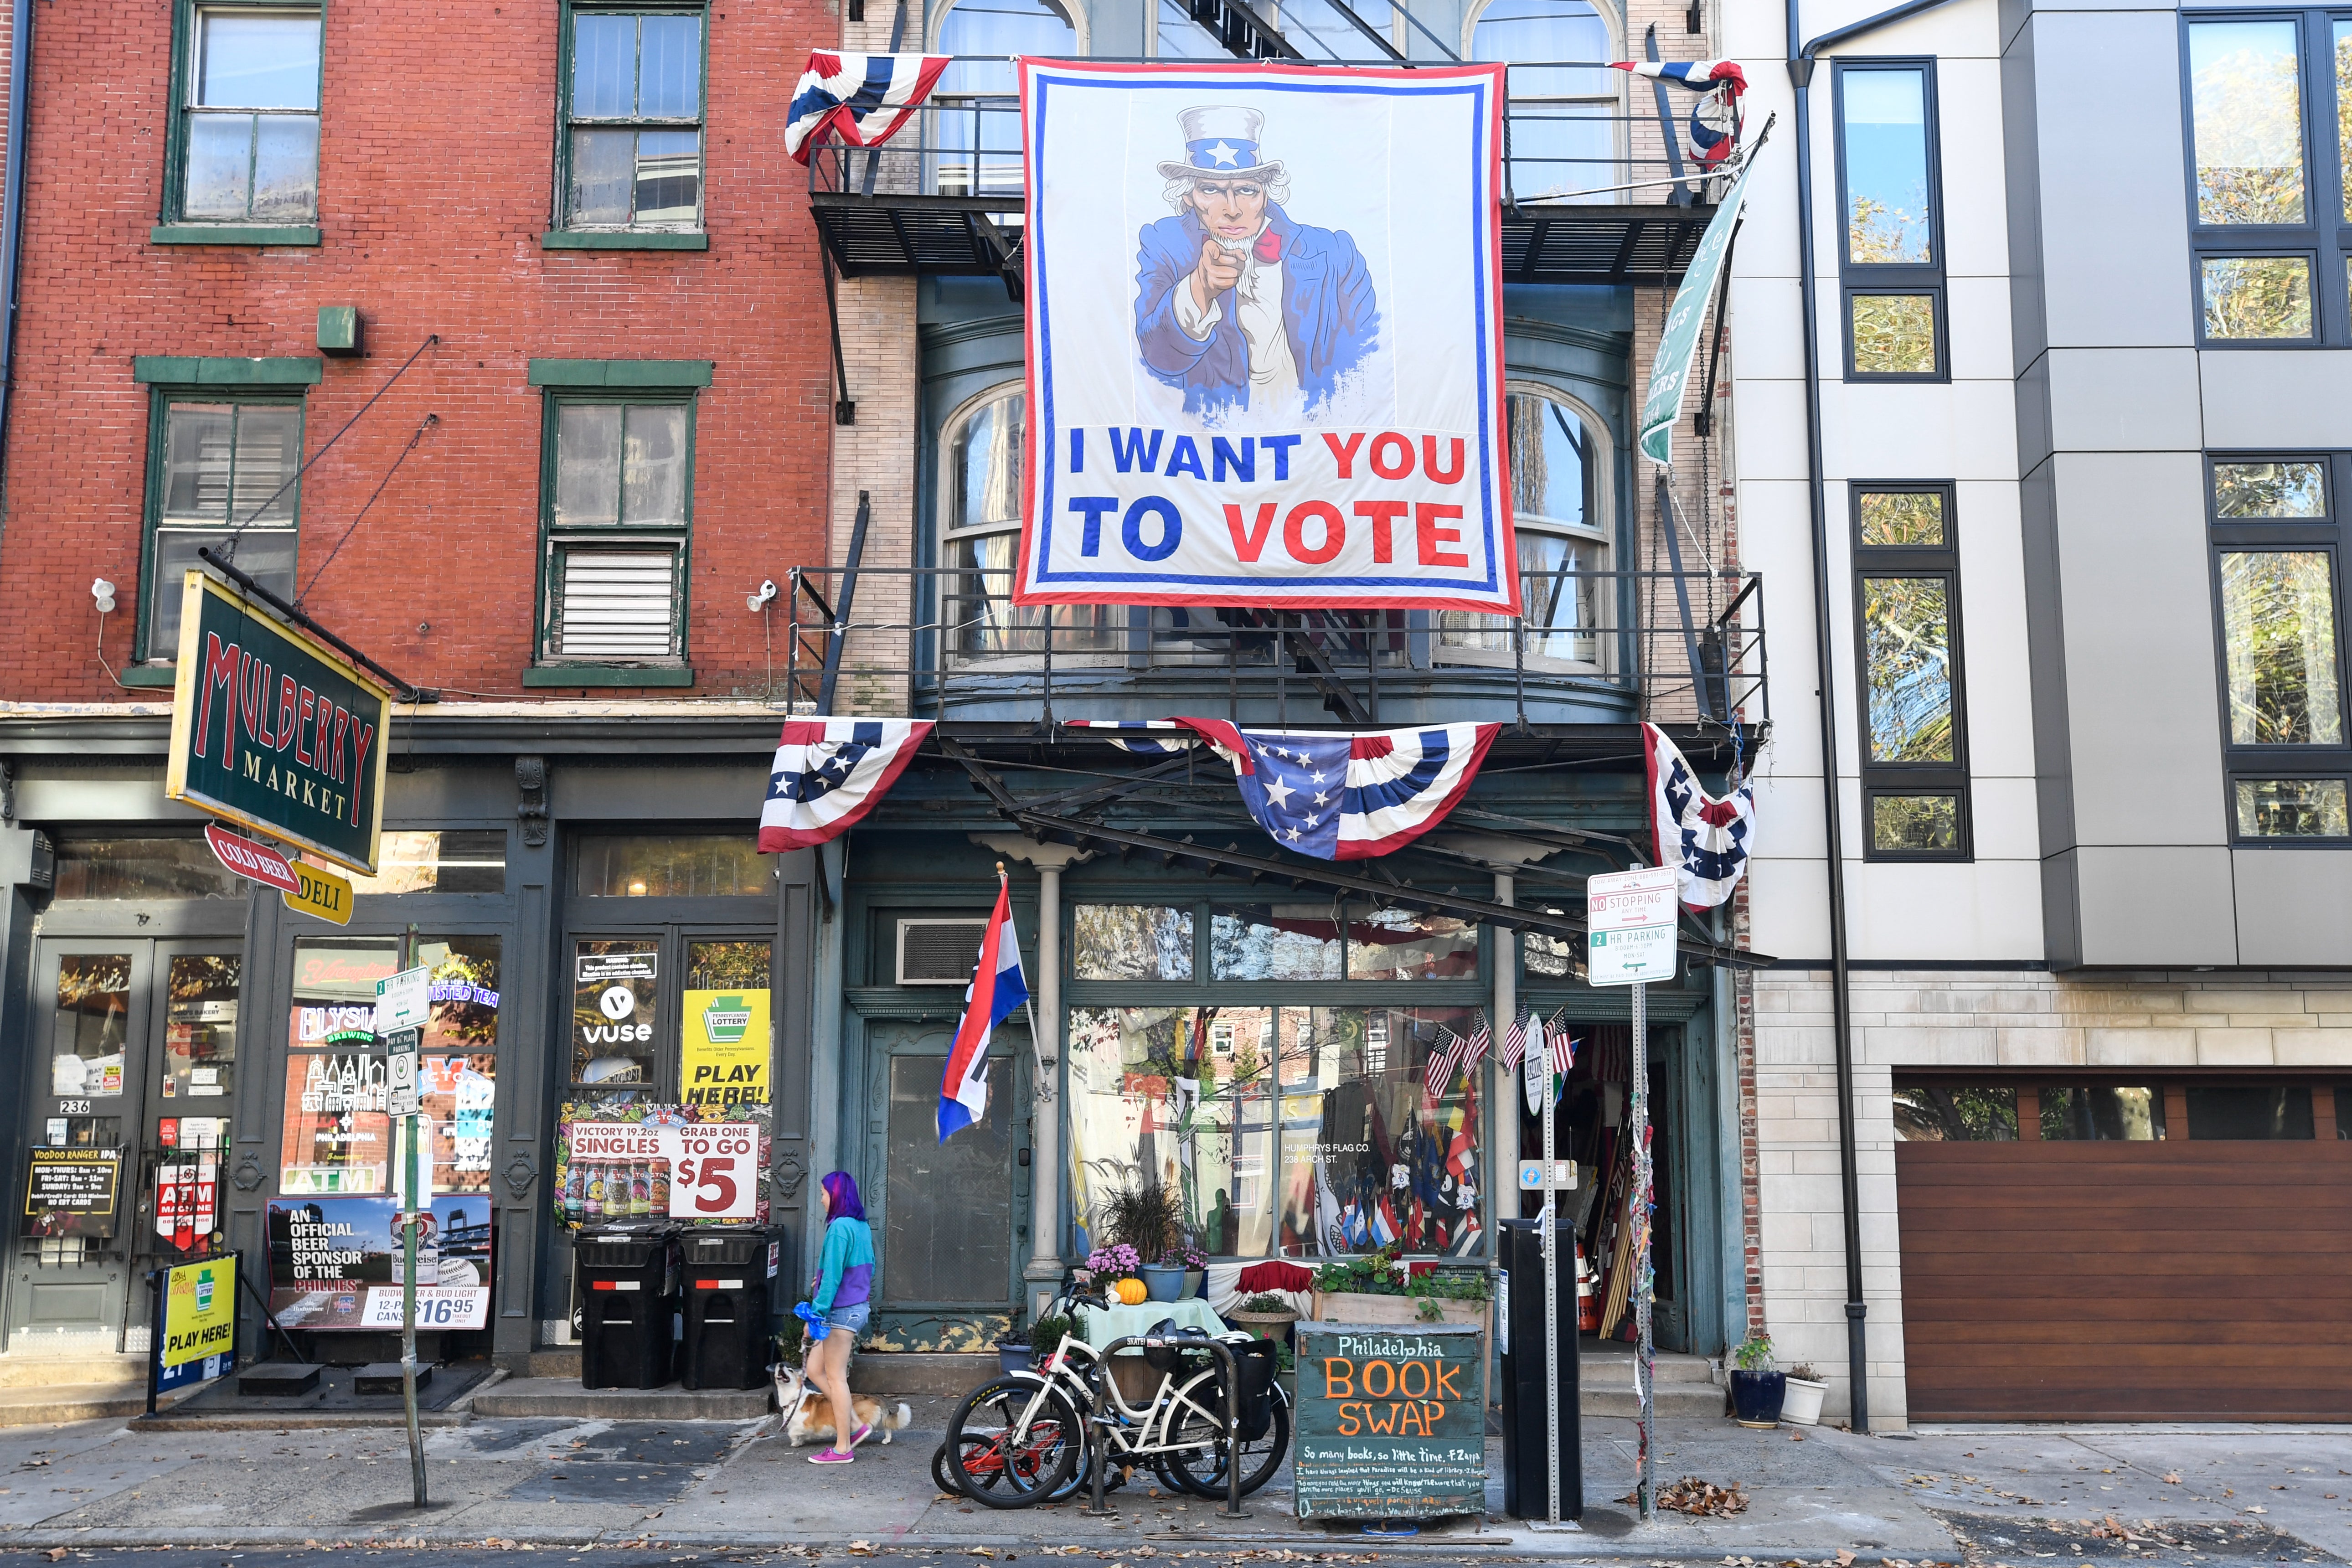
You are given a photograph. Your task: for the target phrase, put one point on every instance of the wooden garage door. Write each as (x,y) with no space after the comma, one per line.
(2171,1280)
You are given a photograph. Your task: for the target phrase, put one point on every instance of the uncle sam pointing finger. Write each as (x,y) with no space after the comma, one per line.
(1236,305)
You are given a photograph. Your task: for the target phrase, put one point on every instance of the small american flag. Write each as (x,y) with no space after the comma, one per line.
(1563,1049)
(1515,1040)
(1475,1051)
(1443,1057)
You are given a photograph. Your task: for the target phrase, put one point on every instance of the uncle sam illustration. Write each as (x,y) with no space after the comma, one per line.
(1237,305)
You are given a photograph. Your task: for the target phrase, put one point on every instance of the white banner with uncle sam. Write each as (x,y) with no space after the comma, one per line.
(1265,338)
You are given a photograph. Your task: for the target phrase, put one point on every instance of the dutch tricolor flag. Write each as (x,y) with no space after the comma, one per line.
(997,989)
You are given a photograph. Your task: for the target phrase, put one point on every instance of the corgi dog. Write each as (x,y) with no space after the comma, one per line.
(808,1414)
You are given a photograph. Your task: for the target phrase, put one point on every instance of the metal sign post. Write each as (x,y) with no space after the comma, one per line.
(1629,917)
(401,1007)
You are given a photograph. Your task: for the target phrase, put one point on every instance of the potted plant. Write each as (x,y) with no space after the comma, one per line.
(1757,1391)
(1165,1278)
(1015,1350)
(1113,1266)
(1046,1337)
(1376,1288)
(1267,1316)
(1802,1407)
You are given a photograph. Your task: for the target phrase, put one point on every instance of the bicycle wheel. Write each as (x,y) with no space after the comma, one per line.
(1202,1470)
(993,1467)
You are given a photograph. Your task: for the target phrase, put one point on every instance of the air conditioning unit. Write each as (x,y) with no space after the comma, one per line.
(939,953)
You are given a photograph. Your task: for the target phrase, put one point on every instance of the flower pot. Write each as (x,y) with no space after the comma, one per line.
(1803,1404)
(1362,1307)
(1163,1282)
(1194,1278)
(1012,1357)
(1273,1326)
(1757,1396)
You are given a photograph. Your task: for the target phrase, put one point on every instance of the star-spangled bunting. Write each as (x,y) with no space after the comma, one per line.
(828,773)
(1707,840)
(1714,123)
(862,98)
(1337,795)
(1145,737)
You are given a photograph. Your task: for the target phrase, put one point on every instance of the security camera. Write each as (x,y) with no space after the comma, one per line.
(759,601)
(103,592)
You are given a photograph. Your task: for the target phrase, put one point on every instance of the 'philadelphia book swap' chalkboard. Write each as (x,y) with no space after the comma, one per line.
(1392,1421)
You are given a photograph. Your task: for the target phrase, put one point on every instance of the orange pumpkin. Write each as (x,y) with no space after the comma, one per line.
(1130,1292)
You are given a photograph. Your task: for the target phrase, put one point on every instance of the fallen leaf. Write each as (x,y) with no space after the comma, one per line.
(55,1553)
(861,1549)
(1844,1558)
(2170,1480)
(2257,1509)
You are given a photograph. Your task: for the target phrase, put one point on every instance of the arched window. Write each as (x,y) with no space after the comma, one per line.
(974,126)
(980,537)
(1562,117)
(1560,502)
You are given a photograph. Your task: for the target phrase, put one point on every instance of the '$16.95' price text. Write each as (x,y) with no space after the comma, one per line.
(714,1177)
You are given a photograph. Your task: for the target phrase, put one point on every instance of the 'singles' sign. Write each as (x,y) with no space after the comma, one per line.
(275,731)
(1264,346)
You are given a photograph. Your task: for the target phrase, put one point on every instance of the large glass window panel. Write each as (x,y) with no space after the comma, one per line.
(2077,1113)
(604,67)
(1275,942)
(981,471)
(1907,647)
(986,463)
(1884,131)
(669,69)
(727,1042)
(1131,941)
(2283,1112)
(264,60)
(336,1137)
(1922,824)
(1955,1115)
(241,164)
(2344,107)
(673,865)
(266,554)
(972,129)
(2245,94)
(200,1031)
(616,1005)
(2278,626)
(1894,335)
(653,466)
(2256,296)
(2296,490)
(91,1022)
(2291,809)
(142,869)
(1562,137)
(229,463)
(604,170)
(437,860)
(669,177)
(645,71)
(1368,1155)
(1407,945)
(1903,517)
(1562,543)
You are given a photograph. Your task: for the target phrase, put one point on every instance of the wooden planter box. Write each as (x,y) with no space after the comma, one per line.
(1350,1307)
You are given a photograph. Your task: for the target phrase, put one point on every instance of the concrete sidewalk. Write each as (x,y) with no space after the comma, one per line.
(1979,1496)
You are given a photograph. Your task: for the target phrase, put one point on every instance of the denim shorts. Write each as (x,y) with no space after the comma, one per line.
(852,1317)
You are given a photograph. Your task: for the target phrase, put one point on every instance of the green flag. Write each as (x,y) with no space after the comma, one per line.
(1678,345)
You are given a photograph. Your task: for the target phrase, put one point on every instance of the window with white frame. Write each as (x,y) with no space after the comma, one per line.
(971,127)
(1563,117)
(980,535)
(1560,504)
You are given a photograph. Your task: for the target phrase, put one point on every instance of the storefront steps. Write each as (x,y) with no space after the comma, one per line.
(40,1389)
(1682,1383)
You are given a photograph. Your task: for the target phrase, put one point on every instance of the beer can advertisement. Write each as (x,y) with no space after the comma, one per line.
(332,1262)
(621,1162)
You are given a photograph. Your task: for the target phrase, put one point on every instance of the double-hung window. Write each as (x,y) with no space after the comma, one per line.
(245,143)
(633,114)
(222,472)
(2276,528)
(1891,246)
(618,497)
(1915,779)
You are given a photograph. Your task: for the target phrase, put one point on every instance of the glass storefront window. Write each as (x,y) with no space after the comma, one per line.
(688,866)
(1275,942)
(726,1048)
(142,869)
(436,861)
(615,1010)
(1406,944)
(1552,957)
(200,1031)
(92,1017)
(1131,941)
(1298,1131)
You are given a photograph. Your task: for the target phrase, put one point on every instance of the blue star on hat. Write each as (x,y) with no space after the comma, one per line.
(1222,140)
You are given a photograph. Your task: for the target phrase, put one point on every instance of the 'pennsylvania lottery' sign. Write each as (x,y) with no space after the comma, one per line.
(1265,343)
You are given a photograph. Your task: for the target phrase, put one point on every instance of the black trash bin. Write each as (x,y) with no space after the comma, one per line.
(727,1342)
(628,1307)
(1526,1494)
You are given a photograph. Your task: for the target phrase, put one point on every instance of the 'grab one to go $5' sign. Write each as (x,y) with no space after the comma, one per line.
(712,1173)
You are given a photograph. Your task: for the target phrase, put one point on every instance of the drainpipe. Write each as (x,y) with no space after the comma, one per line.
(12,194)
(1800,76)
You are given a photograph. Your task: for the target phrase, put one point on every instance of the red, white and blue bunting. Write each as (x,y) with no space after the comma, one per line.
(829,773)
(1145,737)
(862,98)
(1341,797)
(1708,840)
(1714,123)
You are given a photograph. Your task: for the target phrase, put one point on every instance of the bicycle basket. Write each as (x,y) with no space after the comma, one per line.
(1256,1363)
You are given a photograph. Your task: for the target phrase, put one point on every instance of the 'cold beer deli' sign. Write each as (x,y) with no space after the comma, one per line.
(275,729)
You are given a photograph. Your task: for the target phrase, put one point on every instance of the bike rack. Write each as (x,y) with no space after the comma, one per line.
(1099,1452)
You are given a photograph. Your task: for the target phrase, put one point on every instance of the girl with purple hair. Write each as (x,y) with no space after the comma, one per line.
(842,1294)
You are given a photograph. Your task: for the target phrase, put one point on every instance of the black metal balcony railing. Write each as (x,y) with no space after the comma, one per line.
(945,196)
(1594,646)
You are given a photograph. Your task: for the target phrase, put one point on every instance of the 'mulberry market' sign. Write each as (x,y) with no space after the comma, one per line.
(274,730)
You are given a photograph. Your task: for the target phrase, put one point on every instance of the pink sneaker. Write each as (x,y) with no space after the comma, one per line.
(862,1432)
(830,1457)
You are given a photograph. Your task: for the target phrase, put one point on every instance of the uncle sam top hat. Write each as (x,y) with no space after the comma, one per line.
(1222,140)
